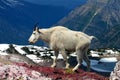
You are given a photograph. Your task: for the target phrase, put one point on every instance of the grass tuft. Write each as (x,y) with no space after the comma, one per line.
(69,71)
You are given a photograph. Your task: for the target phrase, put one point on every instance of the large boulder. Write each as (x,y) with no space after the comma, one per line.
(115,75)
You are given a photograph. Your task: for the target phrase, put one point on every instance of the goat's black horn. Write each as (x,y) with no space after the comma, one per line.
(36,26)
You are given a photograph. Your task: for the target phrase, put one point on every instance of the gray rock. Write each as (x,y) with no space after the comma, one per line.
(115,75)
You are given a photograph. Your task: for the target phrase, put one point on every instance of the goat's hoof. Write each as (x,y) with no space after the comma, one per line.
(74,69)
(53,66)
(67,66)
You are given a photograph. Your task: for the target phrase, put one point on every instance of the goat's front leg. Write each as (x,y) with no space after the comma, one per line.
(65,59)
(55,59)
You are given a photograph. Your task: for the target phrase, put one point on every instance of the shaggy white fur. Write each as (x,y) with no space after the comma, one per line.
(63,40)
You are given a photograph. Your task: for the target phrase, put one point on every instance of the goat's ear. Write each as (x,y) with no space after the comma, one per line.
(36,26)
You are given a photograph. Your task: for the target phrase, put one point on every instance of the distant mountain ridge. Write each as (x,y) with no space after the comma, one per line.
(99,18)
(65,3)
(17,18)
(10,3)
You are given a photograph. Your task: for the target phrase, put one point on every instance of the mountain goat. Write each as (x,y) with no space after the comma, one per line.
(63,40)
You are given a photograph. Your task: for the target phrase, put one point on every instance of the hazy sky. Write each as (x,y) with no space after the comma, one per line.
(65,3)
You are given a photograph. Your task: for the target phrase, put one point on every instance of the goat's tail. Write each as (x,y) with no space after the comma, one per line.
(93,37)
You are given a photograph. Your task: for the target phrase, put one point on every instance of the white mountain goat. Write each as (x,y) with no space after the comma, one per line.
(63,40)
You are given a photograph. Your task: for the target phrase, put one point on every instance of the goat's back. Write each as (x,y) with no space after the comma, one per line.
(68,39)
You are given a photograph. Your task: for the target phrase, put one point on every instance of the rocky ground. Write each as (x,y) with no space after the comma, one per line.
(14,68)
(21,63)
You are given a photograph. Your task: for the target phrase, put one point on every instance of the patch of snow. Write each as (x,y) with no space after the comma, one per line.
(18,48)
(48,54)
(109,51)
(3,53)
(73,54)
(94,52)
(32,50)
(52,52)
(42,54)
(3,47)
(34,58)
(59,57)
(94,55)
(110,59)
(36,47)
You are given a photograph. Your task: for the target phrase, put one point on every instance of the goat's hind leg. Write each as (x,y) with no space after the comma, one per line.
(85,57)
(79,59)
(87,60)
(55,59)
